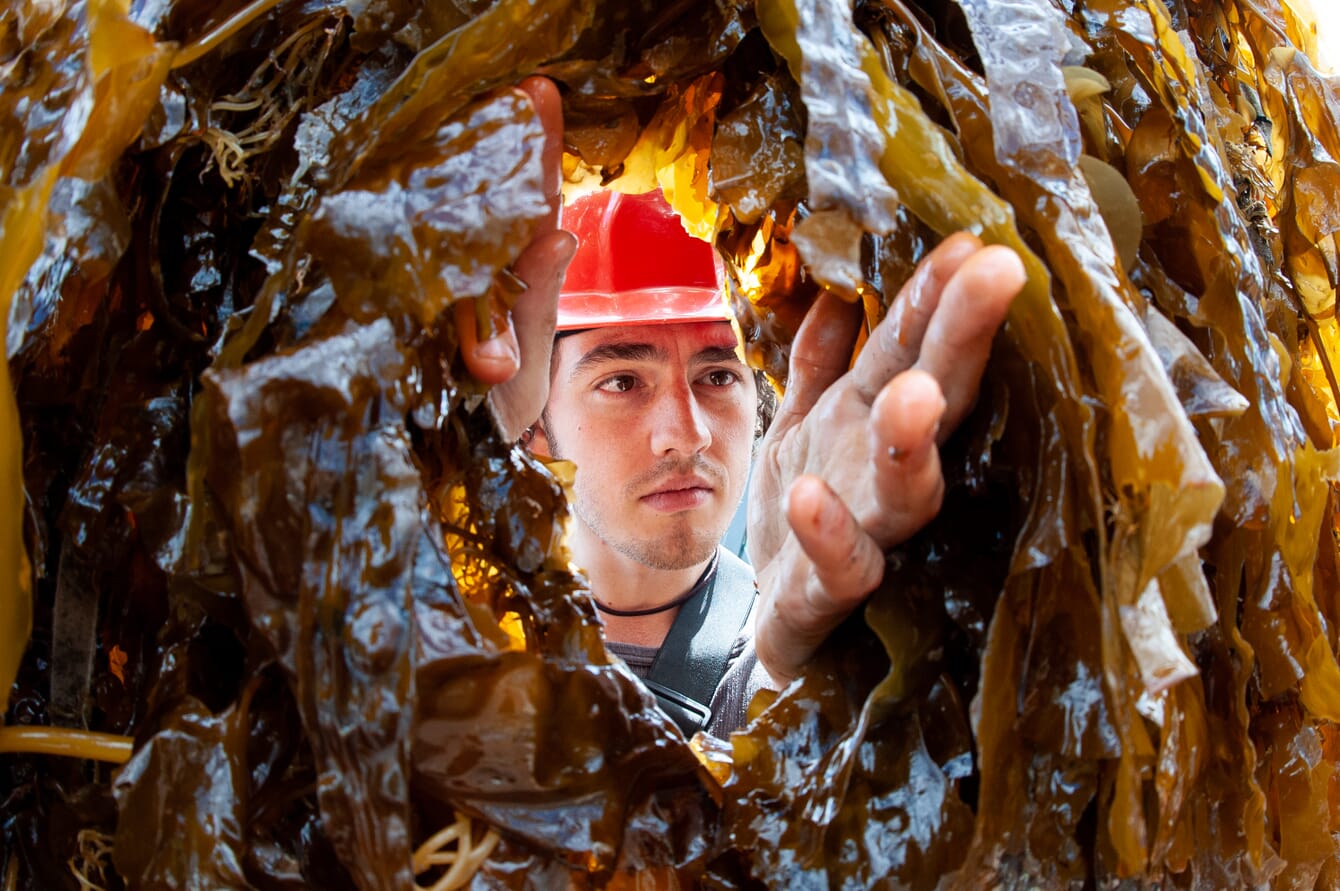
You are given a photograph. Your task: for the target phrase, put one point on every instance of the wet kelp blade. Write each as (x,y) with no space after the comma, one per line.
(496,48)
(844,144)
(438,220)
(118,86)
(325,521)
(1008,710)
(191,824)
(1167,492)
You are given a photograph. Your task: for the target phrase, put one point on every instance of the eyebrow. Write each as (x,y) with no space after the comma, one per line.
(615,352)
(713,355)
(642,352)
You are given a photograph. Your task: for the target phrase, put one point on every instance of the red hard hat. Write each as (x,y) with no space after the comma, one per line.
(636,265)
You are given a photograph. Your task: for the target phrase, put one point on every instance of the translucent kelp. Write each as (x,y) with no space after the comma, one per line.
(267,547)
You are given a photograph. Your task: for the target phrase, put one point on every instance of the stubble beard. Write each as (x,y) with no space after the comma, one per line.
(684,546)
(687,543)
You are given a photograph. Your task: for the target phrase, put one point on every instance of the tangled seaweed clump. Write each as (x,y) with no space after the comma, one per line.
(265,545)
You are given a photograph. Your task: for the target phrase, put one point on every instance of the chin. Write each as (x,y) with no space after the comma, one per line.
(671,552)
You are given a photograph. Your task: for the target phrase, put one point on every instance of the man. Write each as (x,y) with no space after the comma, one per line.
(849,467)
(650,400)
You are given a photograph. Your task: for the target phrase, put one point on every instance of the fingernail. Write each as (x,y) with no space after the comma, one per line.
(831,514)
(497,349)
(568,250)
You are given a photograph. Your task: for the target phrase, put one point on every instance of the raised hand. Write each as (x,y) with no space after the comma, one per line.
(516,361)
(851,465)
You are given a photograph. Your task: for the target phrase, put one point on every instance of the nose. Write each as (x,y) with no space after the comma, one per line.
(679,423)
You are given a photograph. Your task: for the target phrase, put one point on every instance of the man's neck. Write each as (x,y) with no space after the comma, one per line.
(619,582)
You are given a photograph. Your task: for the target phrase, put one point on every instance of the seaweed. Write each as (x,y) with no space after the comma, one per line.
(286,609)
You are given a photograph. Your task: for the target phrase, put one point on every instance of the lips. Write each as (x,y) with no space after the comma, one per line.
(679,494)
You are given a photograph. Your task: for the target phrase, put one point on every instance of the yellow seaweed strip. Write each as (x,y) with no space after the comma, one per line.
(21,235)
(88,744)
(672,153)
(128,68)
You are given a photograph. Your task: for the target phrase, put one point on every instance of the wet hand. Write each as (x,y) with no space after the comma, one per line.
(516,360)
(851,465)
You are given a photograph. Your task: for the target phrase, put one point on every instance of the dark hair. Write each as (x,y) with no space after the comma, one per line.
(767,403)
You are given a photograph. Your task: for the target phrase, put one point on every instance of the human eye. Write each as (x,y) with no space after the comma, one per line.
(617,383)
(721,377)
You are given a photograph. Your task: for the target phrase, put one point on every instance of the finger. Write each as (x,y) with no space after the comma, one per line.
(542,267)
(820,352)
(958,340)
(490,361)
(516,361)
(517,402)
(909,485)
(896,342)
(833,565)
(845,560)
(548,104)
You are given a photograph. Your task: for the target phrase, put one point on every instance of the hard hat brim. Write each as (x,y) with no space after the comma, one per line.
(648,306)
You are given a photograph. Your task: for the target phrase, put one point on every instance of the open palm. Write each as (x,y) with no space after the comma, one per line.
(851,463)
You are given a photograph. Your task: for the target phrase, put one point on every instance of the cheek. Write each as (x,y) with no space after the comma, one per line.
(737,428)
(606,451)
(747,413)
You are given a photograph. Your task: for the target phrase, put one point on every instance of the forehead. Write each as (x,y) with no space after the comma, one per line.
(661,341)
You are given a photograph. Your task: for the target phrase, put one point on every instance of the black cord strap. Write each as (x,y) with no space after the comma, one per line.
(703,581)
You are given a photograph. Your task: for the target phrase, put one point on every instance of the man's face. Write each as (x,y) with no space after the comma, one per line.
(659,420)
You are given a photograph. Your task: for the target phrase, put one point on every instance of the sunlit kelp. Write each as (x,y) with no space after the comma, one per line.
(1091,627)
(276,539)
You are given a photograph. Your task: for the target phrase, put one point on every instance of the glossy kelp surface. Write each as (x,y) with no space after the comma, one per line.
(257,517)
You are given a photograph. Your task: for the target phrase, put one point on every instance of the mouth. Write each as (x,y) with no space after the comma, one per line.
(680,494)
